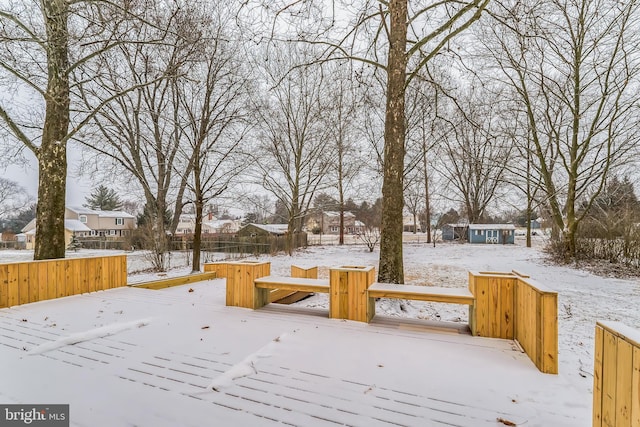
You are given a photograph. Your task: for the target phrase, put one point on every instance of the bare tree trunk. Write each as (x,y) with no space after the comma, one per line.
(52,154)
(427,201)
(197,234)
(391,266)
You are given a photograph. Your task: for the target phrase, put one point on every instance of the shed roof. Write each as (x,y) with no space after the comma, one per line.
(492,227)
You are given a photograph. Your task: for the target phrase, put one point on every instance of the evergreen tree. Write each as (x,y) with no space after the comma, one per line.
(104,199)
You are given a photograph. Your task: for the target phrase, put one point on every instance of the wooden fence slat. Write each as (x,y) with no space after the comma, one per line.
(507,315)
(13,285)
(635,388)
(23,283)
(52,291)
(624,365)
(4,287)
(33,282)
(609,374)
(493,315)
(43,281)
(91,274)
(550,330)
(597,377)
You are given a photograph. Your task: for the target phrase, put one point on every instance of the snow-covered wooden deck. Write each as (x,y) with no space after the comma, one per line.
(154,358)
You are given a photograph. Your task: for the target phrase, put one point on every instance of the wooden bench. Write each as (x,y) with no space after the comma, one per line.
(421,293)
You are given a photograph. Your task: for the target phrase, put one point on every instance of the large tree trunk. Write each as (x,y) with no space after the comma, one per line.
(52,154)
(390,266)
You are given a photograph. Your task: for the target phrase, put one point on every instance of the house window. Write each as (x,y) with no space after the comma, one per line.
(478,232)
(112,232)
(119,221)
(92,233)
(83,219)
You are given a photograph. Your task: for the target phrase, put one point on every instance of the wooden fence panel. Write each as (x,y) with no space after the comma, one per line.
(511,306)
(25,282)
(616,377)
(493,314)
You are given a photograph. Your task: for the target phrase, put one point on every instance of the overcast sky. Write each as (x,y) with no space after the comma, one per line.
(27,176)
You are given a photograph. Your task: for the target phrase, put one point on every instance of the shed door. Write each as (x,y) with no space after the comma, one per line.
(492,236)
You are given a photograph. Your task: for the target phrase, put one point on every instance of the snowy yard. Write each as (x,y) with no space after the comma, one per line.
(130,341)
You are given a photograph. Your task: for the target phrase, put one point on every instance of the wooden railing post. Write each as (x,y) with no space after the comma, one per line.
(348,297)
(241,290)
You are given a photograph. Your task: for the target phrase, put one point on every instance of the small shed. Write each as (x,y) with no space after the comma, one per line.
(451,232)
(252,230)
(492,233)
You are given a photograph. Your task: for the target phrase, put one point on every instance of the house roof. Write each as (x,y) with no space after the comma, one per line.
(492,227)
(347,214)
(75,225)
(272,228)
(103,214)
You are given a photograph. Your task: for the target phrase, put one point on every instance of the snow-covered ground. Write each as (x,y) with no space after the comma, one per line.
(583,297)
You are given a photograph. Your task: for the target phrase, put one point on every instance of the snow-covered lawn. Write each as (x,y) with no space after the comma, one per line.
(236,351)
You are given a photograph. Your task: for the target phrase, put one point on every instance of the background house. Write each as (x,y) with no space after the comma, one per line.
(329,223)
(492,233)
(71,227)
(102,223)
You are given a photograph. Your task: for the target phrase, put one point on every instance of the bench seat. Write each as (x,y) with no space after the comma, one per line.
(293,284)
(421,293)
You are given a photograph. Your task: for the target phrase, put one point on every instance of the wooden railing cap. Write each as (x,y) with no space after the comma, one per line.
(64,259)
(621,330)
(353,268)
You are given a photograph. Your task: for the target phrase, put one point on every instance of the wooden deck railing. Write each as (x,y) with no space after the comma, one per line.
(512,306)
(502,305)
(616,376)
(25,282)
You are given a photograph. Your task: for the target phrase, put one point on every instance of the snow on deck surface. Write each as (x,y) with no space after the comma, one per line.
(178,358)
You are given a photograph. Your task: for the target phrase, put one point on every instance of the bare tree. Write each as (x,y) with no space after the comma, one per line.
(142,131)
(397,38)
(572,66)
(413,198)
(212,101)
(292,157)
(13,197)
(50,49)
(343,110)
(475,155)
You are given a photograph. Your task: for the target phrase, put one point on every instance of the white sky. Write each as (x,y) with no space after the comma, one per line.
(27,176)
